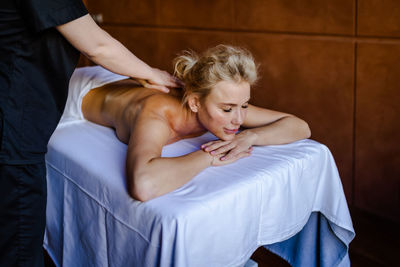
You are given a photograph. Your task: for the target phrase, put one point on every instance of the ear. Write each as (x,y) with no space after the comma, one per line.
(194,102)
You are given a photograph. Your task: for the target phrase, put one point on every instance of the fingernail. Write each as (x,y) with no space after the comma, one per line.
(223,158)
(212,152)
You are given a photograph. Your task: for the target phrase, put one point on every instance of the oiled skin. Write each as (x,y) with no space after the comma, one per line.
(120,104)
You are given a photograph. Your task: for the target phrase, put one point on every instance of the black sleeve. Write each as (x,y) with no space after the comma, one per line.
(44,14)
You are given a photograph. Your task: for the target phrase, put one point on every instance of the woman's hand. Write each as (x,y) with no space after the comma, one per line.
(229,151)
(216,161)
(161,80)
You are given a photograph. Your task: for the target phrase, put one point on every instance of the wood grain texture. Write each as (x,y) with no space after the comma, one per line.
(379,18)
(377,174)
(306,16)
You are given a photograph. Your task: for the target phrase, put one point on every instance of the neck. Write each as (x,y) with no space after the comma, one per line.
(190,125)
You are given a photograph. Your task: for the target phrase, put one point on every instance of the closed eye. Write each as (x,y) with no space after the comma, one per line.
(230,109)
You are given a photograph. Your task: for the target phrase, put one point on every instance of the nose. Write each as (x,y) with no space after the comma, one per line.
(238,117)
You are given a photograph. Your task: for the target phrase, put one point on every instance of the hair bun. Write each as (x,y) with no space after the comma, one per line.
(184,63)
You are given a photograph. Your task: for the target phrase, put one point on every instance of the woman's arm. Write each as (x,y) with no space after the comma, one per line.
(148,174)
(264,127)
(270,127)
(100,47)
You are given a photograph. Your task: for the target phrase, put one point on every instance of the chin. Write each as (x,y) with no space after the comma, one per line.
(229,137)
(225,137)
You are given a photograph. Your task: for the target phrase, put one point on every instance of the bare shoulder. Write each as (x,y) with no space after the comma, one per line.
(163,105)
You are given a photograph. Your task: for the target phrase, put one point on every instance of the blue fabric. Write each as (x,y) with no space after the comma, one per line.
(315,245)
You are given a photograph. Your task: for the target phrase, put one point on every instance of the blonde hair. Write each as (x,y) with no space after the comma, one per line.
(221,63)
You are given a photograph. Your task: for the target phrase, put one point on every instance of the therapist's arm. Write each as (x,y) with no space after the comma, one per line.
(100,47)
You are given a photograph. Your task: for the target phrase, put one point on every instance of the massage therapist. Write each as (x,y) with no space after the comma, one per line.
(40,41)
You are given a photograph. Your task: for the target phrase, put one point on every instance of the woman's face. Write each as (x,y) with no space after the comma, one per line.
(225,108)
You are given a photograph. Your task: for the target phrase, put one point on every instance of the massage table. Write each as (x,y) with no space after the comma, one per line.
(288,198)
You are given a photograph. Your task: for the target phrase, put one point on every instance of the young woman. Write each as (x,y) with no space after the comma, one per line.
(215,98)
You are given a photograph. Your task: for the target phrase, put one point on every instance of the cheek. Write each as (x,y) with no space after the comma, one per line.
(219,119)
(244,114)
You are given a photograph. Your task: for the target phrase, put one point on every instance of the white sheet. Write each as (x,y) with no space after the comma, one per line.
(82,81)
(217,219)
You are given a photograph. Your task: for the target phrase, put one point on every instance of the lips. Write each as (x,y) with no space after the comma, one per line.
(229,131)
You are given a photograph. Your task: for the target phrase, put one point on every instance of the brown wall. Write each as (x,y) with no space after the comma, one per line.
(335,63)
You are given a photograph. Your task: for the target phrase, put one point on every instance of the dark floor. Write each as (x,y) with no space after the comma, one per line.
(47,260)
(377,243)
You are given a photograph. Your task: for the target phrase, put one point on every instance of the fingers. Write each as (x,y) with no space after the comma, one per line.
(162,87)
(214,145)
(161,80)
(222,149)
(234,152)
(174,82)
(158,87)
(238,156)
(243,155)
(165,79)
(226,150)
(146,84)
(179,83)
(170,81)
(218,161)
(203,146)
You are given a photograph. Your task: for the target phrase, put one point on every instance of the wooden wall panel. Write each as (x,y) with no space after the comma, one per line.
(199,14)
(143,42)
(312,79)
(306,16)
(142,12)
(158,47)
(379,18)
(377,179)
(191,13)
(175,41)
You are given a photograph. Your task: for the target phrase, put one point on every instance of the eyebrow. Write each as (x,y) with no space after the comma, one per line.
(233,104)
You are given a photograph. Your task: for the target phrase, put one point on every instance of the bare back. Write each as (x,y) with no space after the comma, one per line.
(120,104)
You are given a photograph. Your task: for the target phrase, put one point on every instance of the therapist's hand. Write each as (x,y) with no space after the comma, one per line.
(240,146)
(161,80)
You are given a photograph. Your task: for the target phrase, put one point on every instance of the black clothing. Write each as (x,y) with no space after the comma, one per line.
(36,63)
(22,214)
